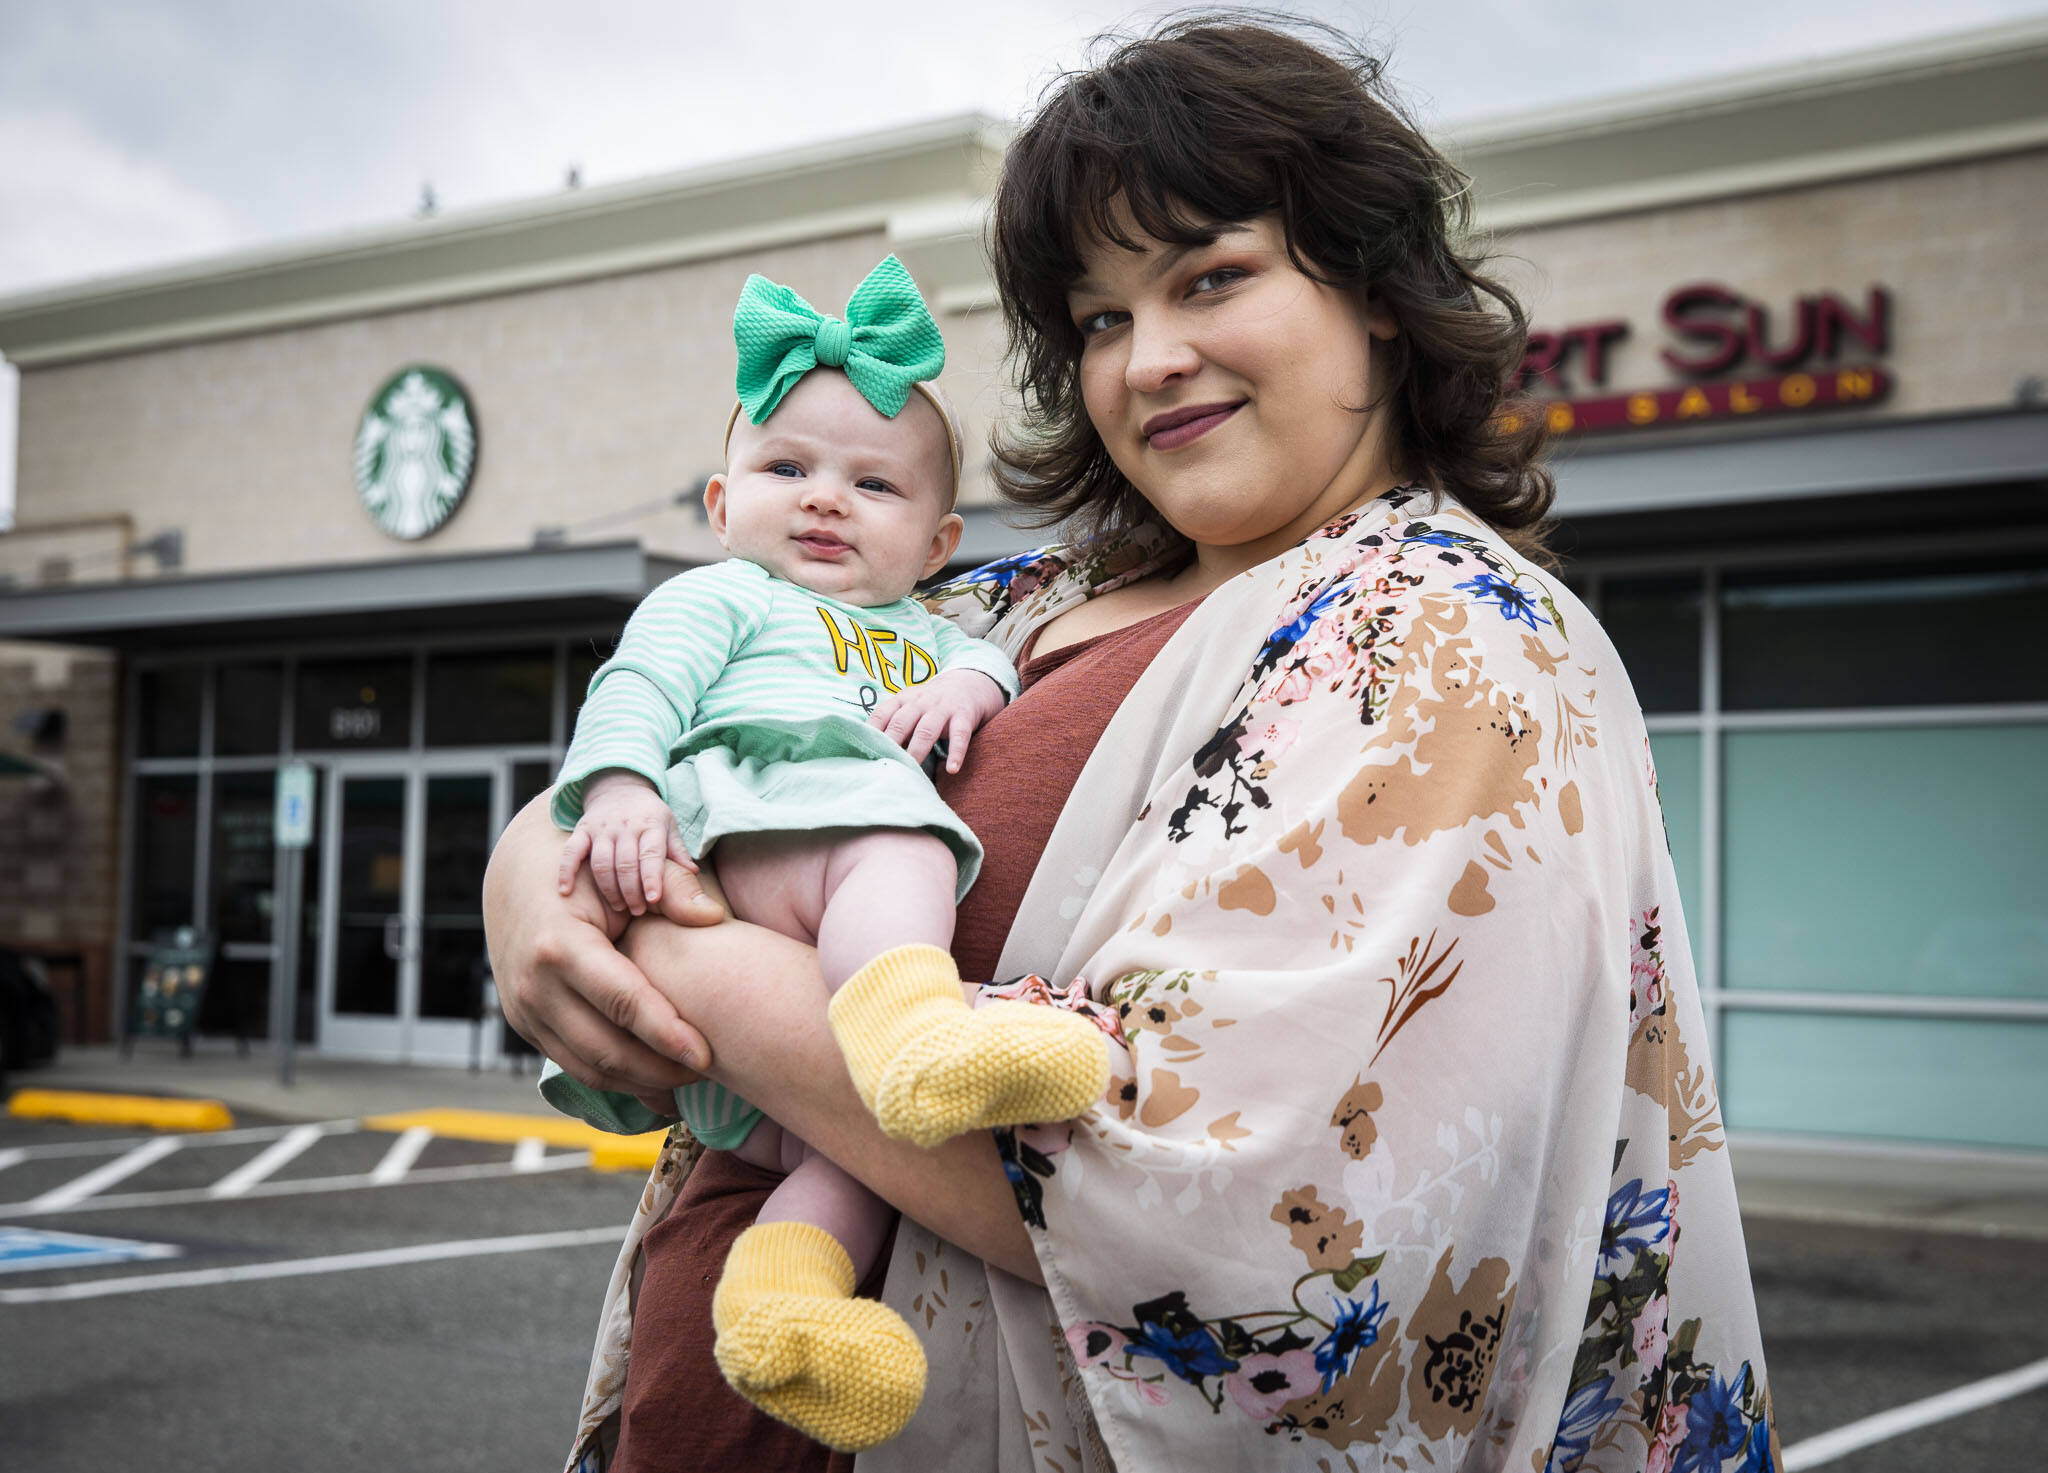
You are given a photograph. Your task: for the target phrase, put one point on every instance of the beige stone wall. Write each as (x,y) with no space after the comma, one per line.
(1959,245)
(598,396)
(590,398)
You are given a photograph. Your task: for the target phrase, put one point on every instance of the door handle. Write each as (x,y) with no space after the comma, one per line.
(398,943)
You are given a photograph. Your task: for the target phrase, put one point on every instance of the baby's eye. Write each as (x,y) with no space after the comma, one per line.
(785,468)
(876,485)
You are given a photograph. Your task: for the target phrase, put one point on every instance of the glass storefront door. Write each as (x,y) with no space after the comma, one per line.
(402,967)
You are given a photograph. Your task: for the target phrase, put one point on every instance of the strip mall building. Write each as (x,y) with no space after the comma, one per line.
(380,503)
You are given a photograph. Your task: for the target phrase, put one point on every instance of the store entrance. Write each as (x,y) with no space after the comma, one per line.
(401,954)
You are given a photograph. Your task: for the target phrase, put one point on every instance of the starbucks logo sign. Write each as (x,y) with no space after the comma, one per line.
(415,451)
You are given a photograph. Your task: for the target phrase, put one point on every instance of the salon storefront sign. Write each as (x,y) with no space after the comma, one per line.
(1821,356)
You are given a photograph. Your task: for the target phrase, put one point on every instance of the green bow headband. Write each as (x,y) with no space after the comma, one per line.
(887,343)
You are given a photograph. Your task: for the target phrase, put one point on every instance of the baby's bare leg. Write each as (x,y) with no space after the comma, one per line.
(853,894)
(817,1192)
(888,888)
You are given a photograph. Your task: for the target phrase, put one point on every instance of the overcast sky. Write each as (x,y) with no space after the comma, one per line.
(134,134)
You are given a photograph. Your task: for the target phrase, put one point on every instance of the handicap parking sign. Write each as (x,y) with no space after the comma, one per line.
(22,1249)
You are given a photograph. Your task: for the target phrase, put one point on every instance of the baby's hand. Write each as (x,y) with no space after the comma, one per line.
(949,705)
(626,832)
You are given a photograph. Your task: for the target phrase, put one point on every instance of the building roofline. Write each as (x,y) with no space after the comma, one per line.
(1890,64)
(920,181)
(1939,99)
(925,186)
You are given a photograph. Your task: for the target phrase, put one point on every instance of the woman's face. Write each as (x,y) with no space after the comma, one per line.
(1229,387)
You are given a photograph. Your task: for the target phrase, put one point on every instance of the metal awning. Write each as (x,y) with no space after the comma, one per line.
(551,587)
(1800,462)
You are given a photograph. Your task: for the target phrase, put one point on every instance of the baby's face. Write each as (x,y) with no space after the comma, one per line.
(836,498)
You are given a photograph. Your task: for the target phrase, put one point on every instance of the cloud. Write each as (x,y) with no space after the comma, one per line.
(75,203)
(136,131)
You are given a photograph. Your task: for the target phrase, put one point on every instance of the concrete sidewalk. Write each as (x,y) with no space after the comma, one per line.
(1922,1189)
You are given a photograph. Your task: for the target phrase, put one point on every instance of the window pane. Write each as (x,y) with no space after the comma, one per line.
(248,702)
(452,928)
(1903,860)
(1900,637)
(244,870)
(170,700)
(583,663)
(1655,623)
(353,703)
(1677,758)
(166,832)
(477,700)
(372,884)
(1931,1079)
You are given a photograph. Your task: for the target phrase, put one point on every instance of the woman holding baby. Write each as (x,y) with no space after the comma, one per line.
(1327,804)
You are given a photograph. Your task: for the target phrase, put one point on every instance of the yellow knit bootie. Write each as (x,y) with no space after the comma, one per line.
(794,1341)
(930,1067)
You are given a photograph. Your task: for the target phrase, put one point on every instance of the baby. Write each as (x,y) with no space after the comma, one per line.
(757,705)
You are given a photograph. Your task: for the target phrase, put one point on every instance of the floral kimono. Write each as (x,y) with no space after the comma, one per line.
(1412,1158)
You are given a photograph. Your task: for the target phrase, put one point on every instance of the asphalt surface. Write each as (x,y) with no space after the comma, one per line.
(478,1362)
(1857,1321)
(468,1363)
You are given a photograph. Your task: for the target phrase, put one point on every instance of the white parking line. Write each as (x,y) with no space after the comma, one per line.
(1844,1440)
(101,1146)
(296,1267)
(12,1156)
(267,1163)
(399,1159)
(530,1154)
(567,1161)
(94,1182)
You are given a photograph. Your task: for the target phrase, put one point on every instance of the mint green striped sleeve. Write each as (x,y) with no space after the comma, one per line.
(957,651)
(644,698)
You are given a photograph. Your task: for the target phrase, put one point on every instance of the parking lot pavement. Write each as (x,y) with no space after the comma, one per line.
(442,1319)
(315,1295)
(1859,1321)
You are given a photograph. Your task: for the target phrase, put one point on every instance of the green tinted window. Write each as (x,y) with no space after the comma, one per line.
(1903,860)
(1927,1079)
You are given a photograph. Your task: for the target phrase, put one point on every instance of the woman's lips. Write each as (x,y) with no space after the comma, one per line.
(1178,427)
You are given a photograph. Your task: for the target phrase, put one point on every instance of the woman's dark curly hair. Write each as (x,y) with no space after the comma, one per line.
(1215,120)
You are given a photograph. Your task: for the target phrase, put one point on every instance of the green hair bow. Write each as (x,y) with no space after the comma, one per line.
(887,343)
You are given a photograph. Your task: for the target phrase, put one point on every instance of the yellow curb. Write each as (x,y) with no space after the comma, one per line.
(608,1152)
(149,1111)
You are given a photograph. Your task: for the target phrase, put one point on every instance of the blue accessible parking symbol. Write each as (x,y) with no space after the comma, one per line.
(22,1249)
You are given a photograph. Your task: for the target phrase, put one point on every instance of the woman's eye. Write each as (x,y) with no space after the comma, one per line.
(1099,322)
(1221,277)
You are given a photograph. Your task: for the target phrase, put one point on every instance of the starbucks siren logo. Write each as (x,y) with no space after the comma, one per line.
(415,451)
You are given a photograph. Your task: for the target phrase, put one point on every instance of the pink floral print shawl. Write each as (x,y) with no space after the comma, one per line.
(1413,1158)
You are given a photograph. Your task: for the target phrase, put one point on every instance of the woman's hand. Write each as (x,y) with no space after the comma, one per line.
(563,984)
